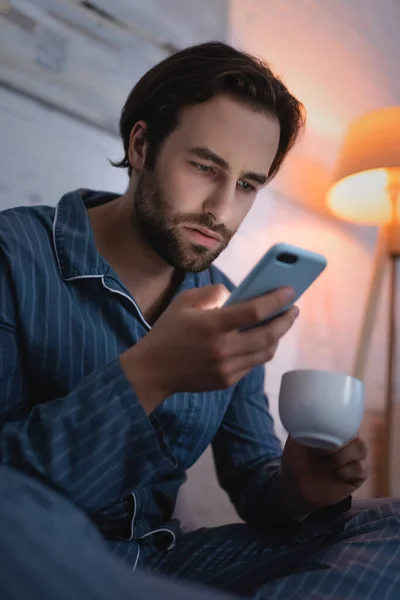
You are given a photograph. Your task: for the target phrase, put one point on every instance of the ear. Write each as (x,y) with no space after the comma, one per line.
(137,146)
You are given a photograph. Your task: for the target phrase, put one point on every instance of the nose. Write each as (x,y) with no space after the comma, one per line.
(219,202)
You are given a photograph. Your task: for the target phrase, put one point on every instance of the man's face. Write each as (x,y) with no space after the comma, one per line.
(206,177)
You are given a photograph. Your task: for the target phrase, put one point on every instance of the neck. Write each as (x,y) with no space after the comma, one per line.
(150,280)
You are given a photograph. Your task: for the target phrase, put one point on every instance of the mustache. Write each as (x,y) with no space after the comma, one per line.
(204,220)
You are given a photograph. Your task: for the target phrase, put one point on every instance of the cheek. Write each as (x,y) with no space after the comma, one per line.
(243,206)
(187,189)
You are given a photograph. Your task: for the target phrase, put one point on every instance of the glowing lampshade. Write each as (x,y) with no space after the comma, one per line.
(369,162)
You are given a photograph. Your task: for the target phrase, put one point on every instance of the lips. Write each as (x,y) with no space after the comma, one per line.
(206,232)
(203,237)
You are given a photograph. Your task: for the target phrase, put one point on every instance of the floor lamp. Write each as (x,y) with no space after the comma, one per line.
(366,190)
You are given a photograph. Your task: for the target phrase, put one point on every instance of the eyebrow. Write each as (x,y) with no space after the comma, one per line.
(207,154)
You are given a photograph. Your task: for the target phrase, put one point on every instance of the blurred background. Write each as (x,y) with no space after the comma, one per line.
(66,67)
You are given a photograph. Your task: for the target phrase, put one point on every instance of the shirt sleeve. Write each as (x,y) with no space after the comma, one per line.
(95,445)
(247,456)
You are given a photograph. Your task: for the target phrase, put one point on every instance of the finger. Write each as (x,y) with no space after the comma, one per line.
(355,450)
(207,298)
(247,362)
(252,312)
(355,472)
(267,336)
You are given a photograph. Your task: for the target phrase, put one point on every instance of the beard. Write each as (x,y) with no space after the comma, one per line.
(160,226)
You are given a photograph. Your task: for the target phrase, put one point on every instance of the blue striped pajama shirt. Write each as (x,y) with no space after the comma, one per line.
(69,418)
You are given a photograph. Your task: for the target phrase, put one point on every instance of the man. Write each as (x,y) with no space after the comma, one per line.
(119,366)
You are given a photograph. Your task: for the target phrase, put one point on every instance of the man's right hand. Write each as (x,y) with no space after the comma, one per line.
(196,346)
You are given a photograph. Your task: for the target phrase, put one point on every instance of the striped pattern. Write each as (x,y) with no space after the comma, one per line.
(358,560)
(49,551)
(68,414)
(69,418)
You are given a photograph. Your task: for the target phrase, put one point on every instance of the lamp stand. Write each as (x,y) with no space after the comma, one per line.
(388,248)
(391,420)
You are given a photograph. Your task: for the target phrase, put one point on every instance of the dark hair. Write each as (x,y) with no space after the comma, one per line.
(197,74)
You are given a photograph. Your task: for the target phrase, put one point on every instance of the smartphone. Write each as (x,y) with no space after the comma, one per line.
(283,265)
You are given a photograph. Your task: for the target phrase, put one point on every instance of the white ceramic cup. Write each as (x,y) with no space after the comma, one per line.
(321,409)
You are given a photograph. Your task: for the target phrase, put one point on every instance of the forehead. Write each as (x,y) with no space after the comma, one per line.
(245,138)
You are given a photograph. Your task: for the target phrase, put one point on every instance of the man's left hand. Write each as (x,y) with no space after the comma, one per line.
(314,479)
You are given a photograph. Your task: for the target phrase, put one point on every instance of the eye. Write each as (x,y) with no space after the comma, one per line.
(203,168)
(246,187)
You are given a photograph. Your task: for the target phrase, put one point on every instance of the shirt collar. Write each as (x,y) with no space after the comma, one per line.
(73,238)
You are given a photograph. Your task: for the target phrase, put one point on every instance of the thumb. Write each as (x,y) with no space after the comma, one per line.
(206,298)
